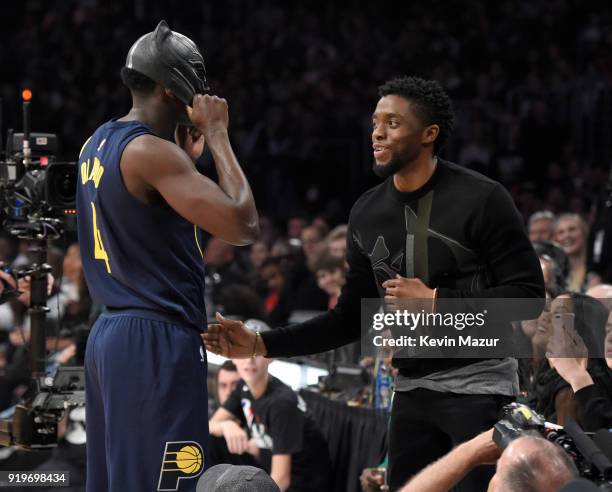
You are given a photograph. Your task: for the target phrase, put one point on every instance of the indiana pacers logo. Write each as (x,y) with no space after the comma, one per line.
(182,460)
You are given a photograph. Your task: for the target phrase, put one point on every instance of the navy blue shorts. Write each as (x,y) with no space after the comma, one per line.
(146,404)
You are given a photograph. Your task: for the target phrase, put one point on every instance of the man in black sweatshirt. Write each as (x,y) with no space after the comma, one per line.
(431,230)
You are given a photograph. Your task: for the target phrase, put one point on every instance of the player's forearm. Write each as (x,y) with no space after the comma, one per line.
(234,183)
(325,332)
(445,473)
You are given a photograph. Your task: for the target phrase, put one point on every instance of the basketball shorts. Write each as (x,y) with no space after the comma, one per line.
(146,404)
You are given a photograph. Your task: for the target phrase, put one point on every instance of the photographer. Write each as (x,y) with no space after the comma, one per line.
(529,463)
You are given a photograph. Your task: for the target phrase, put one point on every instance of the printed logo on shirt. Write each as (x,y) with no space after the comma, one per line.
(258,430)
(183,460)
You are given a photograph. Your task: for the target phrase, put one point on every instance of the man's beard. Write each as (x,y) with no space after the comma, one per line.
(385,170)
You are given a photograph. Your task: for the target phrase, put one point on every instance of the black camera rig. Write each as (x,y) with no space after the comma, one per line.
(586,451)
(37,203)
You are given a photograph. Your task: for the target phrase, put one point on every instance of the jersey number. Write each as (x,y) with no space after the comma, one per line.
(99,251)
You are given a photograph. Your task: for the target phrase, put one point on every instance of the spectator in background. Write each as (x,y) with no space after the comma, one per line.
(311,239)
(258,253)
(295,226)
(571,232)
(555,265)
(553,395)
(227,381)
(336,241)
(242,302)
(265,418)
(221,268)
(74,291)
(330,274)
(541,226)
(277,300)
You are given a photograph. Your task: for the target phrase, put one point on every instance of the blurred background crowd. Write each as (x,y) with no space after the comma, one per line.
(530,82)
(531,85)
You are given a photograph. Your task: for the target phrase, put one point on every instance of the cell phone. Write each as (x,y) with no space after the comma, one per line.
(383,473)
(563,325)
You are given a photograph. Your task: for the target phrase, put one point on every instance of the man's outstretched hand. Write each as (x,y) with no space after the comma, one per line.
(232,339)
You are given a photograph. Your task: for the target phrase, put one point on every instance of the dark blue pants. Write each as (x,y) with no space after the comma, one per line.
(146,404)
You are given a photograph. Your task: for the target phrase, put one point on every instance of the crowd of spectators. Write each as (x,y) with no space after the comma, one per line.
(530,82)
(531,87)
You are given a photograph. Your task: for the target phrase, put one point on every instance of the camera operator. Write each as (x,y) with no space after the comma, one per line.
(529,463)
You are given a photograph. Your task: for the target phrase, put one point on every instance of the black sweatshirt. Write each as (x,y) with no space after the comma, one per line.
(475,246)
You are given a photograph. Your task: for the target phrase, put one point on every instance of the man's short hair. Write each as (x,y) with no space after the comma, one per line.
(228,365)
(541,215)
(327,263)
(137,82)
(547,461)
(429,101)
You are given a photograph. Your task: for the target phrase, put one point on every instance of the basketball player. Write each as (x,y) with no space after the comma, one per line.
(141,205)
(431,230)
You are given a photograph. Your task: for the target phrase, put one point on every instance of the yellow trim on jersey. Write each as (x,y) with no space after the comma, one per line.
(82,148)
(195,233)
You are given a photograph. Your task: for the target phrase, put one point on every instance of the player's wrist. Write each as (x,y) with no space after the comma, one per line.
(214,133)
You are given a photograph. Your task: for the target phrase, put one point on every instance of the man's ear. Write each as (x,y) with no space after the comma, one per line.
(169,94)
(429,135)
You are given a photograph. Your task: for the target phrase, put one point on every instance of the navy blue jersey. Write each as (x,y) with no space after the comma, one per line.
(134,255)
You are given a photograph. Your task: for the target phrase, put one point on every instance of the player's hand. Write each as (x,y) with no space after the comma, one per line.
(191,140)
(231,339)
(209,114)
(235,437)
(406,288)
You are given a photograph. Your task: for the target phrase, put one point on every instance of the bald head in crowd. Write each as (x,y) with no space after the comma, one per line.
(532,464)
(601,291)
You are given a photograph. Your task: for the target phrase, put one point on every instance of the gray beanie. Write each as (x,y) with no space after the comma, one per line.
(230,478)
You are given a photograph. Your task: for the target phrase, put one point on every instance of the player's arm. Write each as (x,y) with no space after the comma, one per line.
(337,327)
(226,210)
(157,164)
(281,471)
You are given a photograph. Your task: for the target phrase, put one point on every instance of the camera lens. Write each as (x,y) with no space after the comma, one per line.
(61,185)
